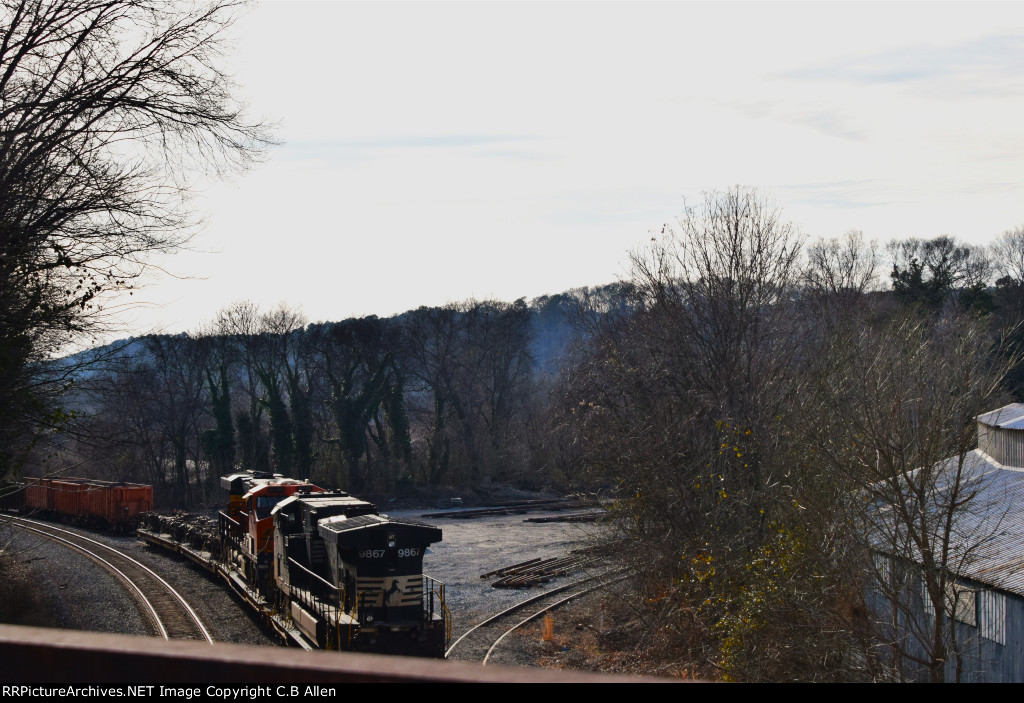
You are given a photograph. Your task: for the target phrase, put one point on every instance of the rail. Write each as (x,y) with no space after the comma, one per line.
(89,548)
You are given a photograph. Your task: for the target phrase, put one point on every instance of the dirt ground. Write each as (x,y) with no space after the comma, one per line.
(600,633)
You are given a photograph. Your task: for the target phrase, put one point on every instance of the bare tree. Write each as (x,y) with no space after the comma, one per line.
(471,362)
(841,270)
(145,417)
(896,427)
(357,362)
(105,108)
(689,406)
(275,364)
(719,291)
(747,432)
(239,325)
(1008,252)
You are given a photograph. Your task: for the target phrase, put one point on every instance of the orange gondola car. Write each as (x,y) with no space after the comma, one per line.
(112,504)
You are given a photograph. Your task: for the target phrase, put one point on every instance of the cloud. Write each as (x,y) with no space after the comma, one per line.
(641,206)
(885,192)
(851,194)
(433,141)
(834,121)
(500,146)
(988,66)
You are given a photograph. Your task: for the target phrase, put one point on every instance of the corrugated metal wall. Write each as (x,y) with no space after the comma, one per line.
(1004,445)
(988,650)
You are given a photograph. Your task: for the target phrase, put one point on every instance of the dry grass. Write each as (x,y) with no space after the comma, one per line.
(604,635)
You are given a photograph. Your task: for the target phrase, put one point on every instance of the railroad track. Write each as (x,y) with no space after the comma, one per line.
(481,641)
(170,613)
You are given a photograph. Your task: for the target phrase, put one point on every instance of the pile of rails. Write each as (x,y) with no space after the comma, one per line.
(588,516)
(535,572)
(515,507)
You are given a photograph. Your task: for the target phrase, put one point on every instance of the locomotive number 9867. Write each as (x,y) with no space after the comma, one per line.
(379,553)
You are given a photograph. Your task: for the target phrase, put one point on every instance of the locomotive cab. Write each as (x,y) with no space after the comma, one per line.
(237,485)
(352,579)
(377,564)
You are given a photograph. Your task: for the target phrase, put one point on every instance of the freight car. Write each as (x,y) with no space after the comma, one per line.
(323,568)
(114,505)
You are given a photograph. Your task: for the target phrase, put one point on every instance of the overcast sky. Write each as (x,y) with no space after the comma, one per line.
(434,152)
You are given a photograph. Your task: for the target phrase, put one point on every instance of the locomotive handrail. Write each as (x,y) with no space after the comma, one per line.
(446,613)
(316,576)
(428,588)
(324,610)
(429,584)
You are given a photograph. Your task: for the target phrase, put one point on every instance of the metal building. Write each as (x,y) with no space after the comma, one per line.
(986,600)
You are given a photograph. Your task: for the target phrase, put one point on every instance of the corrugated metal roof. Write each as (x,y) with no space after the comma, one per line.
(987,536)
(1009,417)
(341,523)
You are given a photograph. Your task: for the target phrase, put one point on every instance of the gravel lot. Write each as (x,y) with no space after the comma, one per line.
(473,547)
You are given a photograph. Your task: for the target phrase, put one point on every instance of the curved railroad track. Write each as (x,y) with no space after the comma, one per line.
(170,613)
(480,642)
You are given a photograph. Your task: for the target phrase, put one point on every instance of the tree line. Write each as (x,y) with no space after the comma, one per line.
(442,396)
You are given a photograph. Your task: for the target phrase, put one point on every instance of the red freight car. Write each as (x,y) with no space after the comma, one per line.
(112,503)
(65,497)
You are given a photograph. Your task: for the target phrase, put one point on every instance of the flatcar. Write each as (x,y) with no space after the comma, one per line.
(113,505)
(324,568)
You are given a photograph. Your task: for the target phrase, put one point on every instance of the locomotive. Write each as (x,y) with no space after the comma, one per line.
(324,568)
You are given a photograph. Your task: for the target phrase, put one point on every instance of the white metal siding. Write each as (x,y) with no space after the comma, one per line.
(1004,445)
(992,616)
(926,600)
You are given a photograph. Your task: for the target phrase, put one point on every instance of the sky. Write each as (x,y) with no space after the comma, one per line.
(437,152)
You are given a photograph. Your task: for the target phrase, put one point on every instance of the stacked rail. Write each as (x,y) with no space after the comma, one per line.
(535,572)
(514,508)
